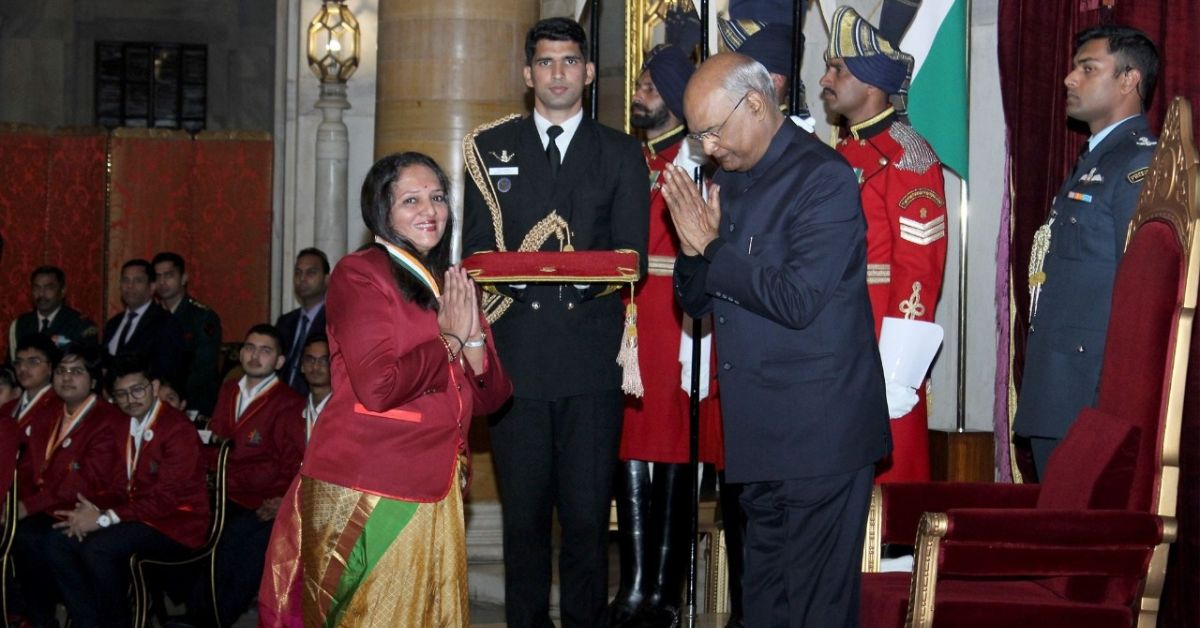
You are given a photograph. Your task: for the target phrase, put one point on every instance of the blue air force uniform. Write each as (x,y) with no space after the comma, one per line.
(1071,292)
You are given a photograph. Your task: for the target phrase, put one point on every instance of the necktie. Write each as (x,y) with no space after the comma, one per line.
(45,325)
(552,152)
(297,349)
(127,332)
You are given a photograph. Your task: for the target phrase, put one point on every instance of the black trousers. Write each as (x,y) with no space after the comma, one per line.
(557,454)
(240,557)
(35,579)
(804,550)
(93,575)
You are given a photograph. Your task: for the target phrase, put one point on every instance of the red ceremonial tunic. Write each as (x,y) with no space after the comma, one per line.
(65,462)
(268,441)
(167,490)
(903,198)
(656,426)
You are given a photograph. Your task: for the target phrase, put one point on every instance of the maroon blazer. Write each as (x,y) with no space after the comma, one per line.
(400,411)
(168,490)
(268,442)
(41,416)
(9,443)
(82,464)
(46,410)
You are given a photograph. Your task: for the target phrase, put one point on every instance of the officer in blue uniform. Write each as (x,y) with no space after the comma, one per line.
(1075,254)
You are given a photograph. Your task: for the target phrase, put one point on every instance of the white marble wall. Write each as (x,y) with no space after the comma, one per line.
(296,120)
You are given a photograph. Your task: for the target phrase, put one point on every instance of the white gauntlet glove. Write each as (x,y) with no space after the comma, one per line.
(900,399)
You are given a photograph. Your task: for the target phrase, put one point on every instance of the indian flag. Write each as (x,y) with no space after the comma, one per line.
(937,97)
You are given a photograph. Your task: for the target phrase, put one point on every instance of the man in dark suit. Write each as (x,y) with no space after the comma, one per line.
(778,256)
(143,327)
(310,279)
(51,315)
(557,445)
(1075,254)
(202,333)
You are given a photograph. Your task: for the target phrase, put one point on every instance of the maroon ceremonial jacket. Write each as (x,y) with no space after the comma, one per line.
(400,410)
(268,442)
(8,453)
(81,464)
(167,490)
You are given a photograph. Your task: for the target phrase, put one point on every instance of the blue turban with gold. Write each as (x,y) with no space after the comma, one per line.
(670,70)
(870,57)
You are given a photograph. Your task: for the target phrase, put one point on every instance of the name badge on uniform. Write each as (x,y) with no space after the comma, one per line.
(1079,196)
(507,171)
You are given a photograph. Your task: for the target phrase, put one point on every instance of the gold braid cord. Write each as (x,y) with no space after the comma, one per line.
(473,159)
(495,304)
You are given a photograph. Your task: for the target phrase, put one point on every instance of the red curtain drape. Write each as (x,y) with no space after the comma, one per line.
(1035,46)
(51,212)
(87,201)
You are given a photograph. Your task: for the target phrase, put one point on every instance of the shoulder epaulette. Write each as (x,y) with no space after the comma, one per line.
(473,160)
(917,155)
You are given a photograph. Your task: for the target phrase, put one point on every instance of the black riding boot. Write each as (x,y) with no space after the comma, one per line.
(633,502)
(669,534)
(733,521)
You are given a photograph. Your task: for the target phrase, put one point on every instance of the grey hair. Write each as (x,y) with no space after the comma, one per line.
(750,75)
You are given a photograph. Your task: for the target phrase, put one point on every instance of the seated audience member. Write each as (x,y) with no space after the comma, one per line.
(160,507)
(51,315)
(71,456)
(10,387)
(314,365)
(168,395)
(144,327)
(38,404)
(310,280)
(202,332)
(262,416)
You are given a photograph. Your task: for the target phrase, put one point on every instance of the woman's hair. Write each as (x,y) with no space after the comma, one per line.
(377,199)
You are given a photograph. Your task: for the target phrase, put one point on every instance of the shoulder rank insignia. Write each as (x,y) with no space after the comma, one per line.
(1145,141)
(923,233)
(1137,175)
(504,156)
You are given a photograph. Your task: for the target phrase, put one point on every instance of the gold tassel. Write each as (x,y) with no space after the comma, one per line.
(627,357)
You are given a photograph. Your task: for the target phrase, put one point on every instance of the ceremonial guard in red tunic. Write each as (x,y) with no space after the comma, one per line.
(654,514)
(903,197)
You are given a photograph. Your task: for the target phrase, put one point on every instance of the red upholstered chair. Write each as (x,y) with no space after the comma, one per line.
(1088,547)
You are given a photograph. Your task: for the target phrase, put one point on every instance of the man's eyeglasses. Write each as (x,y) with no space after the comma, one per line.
(70,370)
(136,393)
(314,360)
(715,134)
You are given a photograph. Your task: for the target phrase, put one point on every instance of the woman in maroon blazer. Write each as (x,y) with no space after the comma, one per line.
(380,494)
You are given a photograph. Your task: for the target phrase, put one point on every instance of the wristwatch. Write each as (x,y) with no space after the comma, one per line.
(104,520)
